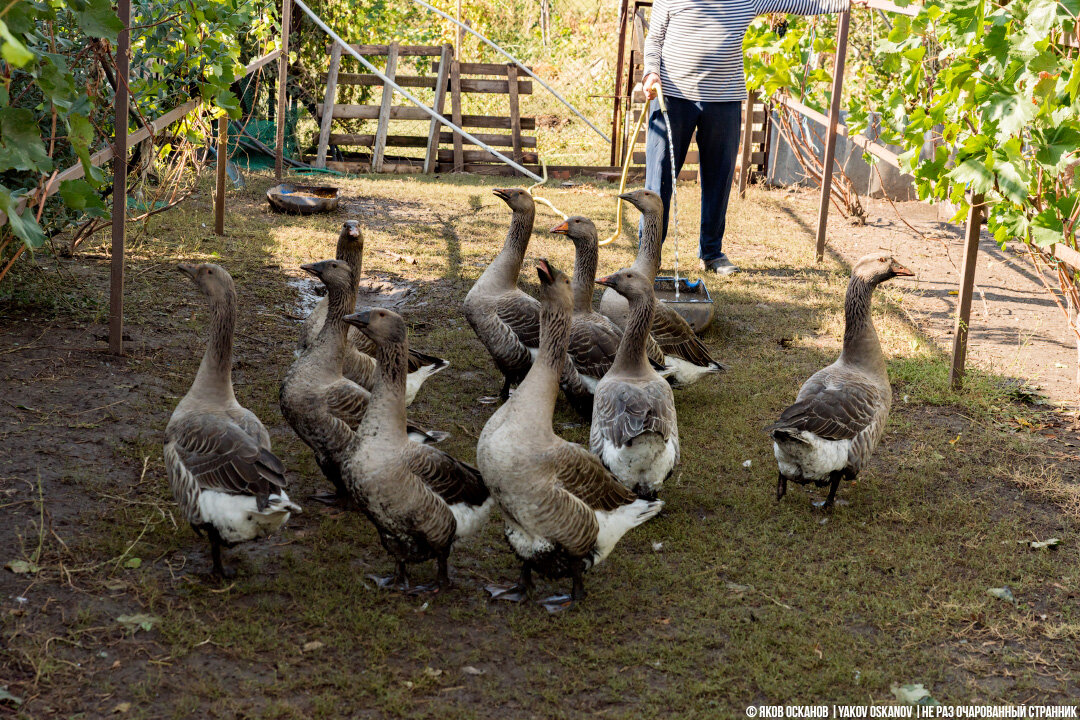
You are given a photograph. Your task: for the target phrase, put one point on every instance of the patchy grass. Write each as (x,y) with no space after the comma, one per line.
(725,600)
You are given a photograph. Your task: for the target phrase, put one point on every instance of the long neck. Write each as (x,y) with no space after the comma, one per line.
(584,275)
(351,251)
(387,404)
(507,265)
(647,261)
(214,379)
(631,355)
(861,345)
(541,386)
(339,303)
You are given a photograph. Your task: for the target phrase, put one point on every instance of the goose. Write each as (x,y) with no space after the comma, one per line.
(420,499)
(594,339)
(564,510)
(634,428)
(222,471)
(684,351)
(321,405)
(838,418)
(359,365)
(507,320)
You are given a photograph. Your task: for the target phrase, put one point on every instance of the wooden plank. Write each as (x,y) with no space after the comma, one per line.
(465,68)
(967,288)
(368,140)
(403,50)
(219,187)
(492,139)
(559,171)
(1067,255)
(259,62)
(478,156)
(617,104)
(455,109)
(473,85)
(283,79)
(397,167)
(876,149)
(384,110)
(434,136)
(419,81)
(371,112)
(692,157)
(747,138)
(329,99)
(120,171)
(830,136)
(515,114)
(493,122)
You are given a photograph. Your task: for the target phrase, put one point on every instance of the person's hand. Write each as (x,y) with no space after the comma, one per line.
(859,3)
(649,84)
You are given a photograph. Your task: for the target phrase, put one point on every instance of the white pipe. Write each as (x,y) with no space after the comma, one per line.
(517,62)
(434,115)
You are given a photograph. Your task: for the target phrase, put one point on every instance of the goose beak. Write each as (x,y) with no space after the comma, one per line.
(562,228)
(544,271)
(628,197)
(605,281)
(351,228)
(187,269)
(900,271)
(501,193)
(359,320)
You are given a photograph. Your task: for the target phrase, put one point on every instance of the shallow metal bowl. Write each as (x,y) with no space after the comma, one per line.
(303,199)
(693,303)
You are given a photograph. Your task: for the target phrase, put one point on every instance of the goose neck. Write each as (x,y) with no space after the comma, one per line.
(351,251)
(861,345)
(538,391)
(647,260)
(583,284)
(214,379)
(631,357)
(386,409)
(507,265)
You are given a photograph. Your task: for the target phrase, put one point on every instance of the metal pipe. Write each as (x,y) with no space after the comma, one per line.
(412,98)
(517,62)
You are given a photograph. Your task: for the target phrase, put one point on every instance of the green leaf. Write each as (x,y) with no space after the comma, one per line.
(974,175)
(1011,113)
(138,621)
(1011,183)
(133,563)
(13,50)
(21,567)
(80,135)
(81,196)
(56,83)
(20,142)
(96,18)
(24,226)
(1046,228)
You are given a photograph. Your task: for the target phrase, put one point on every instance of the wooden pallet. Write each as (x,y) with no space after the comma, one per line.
(446,151)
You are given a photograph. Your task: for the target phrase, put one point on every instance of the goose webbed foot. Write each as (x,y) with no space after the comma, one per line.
(331,499)
(514,593)
(398,581)
(557,603)
(834,483)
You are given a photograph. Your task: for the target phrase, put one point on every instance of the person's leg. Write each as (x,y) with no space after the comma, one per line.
(718,133)
(684,117)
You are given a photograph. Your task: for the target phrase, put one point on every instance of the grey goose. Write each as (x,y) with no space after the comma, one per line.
(838,418)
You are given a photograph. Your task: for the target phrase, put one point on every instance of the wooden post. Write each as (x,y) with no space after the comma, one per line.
(119,209)
(830,137)
(455,109)
(283,69)
(515,113)
(378,150)
(616,109)
(747,142)
(219,188)
(431,162)
(967,288)
(460,30)
(329,99)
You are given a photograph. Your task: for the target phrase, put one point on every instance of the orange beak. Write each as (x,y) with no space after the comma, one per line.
(562,228)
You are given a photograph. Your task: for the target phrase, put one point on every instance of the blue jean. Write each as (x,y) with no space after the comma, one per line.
(718,126)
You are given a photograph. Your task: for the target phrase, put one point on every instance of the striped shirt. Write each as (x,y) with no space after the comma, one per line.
(695,46)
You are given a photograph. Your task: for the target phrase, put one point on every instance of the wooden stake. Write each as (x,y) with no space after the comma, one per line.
(515,112)
(967,288)
(431,161)
(219,188)
(830,137)
(747,142)
(283,69)
(379,149)
(617,105)
(329,99)
(455,108)
(119,210)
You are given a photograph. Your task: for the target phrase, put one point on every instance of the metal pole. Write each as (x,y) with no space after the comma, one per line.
(967,288)
(222,159)
(283,68)
(830,138)
(119,210)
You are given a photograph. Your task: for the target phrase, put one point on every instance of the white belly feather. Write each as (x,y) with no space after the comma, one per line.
(813,460)
(642,465)
(470,518)
(237,518)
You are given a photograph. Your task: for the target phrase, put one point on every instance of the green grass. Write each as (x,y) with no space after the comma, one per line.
(746,600)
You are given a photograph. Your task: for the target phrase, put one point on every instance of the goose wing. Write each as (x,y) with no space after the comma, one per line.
(593,345)
(347,401)
(623,411)
(833,407)
(454,481)
(521,313)
(580,473)
(221,455)
(676,337)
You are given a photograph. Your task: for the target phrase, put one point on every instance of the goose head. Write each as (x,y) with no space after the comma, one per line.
(334,274)
(384,327)
(519,200)
(554,285)
(629,283)
(350,228)
(579,229)
(213,280)
(646,201)
(876,268)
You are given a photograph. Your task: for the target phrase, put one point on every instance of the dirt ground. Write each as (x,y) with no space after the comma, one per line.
(728,599)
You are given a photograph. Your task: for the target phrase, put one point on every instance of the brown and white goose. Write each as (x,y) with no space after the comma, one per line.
(359,364)
(564,510)
(594,338)
(222,472)
(634,428)
(684,351)
(507,320)
(321,405)
(420,499)
(838,418)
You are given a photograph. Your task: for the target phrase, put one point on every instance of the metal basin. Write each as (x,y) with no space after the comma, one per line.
(694,303)
(303,199)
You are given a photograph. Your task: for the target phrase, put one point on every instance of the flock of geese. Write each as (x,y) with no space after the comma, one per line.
(565,506)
